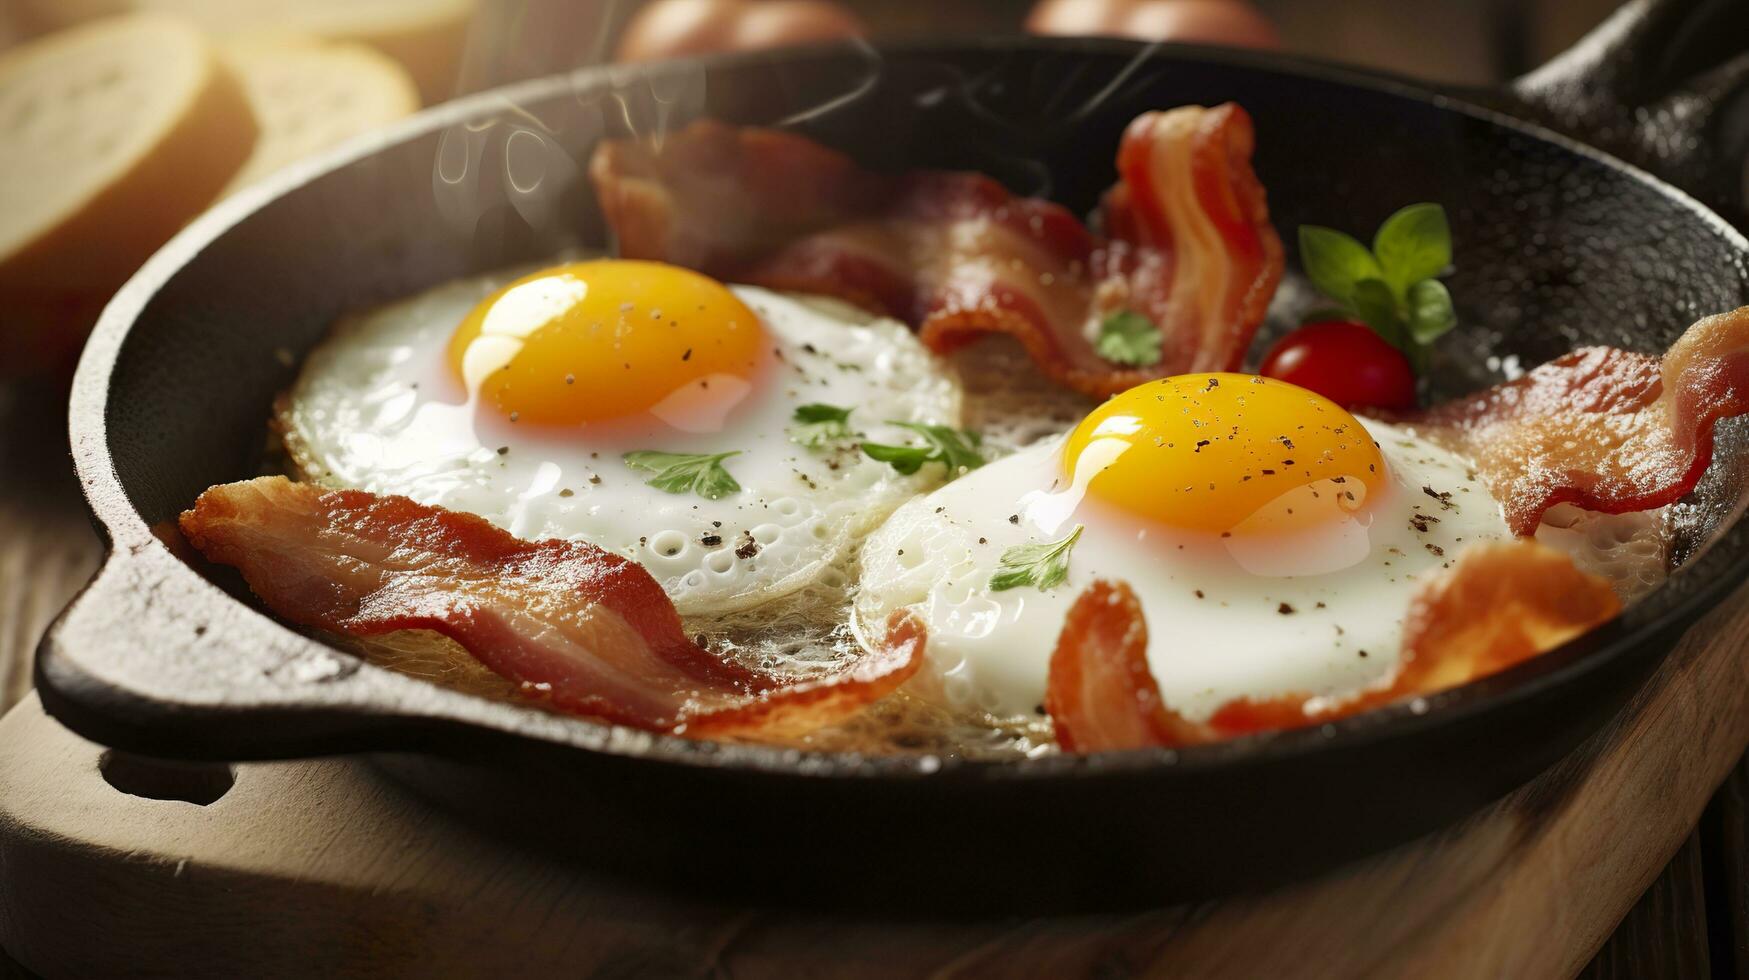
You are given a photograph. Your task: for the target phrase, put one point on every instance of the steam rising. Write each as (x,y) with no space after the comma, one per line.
(531,159)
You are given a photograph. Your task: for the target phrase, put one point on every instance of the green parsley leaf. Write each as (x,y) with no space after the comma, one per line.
(1042,566)
(1336,262)
(1430,311)
(819,425)
(955,449)
(1128,337)
(1412,245)
(905,459)
(700,473)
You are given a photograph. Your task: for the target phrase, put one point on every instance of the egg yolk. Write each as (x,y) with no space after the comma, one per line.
(591,341)
(1219,452)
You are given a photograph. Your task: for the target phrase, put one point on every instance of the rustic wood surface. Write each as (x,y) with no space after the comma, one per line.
(47,547)
(328,867)
(1725,832)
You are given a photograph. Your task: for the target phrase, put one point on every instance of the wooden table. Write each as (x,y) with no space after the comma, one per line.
(1691,922)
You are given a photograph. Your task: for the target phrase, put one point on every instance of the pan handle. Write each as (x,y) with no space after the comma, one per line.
(149,658)
(1663,84)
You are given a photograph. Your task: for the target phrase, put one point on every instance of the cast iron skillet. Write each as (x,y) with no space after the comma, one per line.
(1558,245)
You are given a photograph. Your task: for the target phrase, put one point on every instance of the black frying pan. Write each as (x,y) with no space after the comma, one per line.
(1557,245)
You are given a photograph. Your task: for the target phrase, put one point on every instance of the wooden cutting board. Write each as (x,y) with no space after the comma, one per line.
(328,868)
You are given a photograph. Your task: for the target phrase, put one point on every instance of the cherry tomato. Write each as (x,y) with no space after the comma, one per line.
(1231,22)
(1345,362)
(675,28)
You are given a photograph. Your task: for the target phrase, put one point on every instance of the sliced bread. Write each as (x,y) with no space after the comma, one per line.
(309,94)
(425,36)
(116,134)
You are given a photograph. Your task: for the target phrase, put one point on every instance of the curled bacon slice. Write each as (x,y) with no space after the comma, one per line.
(1101,694)
(956,255)
(586,630)
(1499,604)
(1605,429)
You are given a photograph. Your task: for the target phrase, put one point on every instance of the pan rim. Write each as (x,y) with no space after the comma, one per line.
(126,531)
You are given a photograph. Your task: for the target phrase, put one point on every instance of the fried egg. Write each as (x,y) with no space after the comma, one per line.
(1274,539)
(644,408)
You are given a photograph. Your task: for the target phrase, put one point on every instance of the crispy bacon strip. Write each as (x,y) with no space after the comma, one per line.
(1101,694)
(1499,604)
(586,630)
(1605,429)
(956,255)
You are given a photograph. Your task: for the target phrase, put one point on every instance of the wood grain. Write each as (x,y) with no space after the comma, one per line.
(1664,937)
(47,547)
(1725,834)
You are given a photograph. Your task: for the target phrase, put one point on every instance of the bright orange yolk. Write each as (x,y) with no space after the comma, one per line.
(1220,452)
(590,341)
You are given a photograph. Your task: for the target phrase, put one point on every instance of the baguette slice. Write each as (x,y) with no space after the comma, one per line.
(115,135)
(309,94)
(425,36)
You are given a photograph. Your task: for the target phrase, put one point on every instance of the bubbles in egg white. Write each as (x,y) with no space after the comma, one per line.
(369,411)
(1629,550)
(1227,617)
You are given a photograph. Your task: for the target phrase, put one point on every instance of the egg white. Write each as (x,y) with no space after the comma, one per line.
(1319,613)
(374,409)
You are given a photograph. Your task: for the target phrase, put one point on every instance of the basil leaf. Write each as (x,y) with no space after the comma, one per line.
(819,425)
(1378,307)
(1412,245)
(1430,311)
(1336,262)
(955,449)
(1042,566)
(700,473)
(819,412)
(1128,337)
